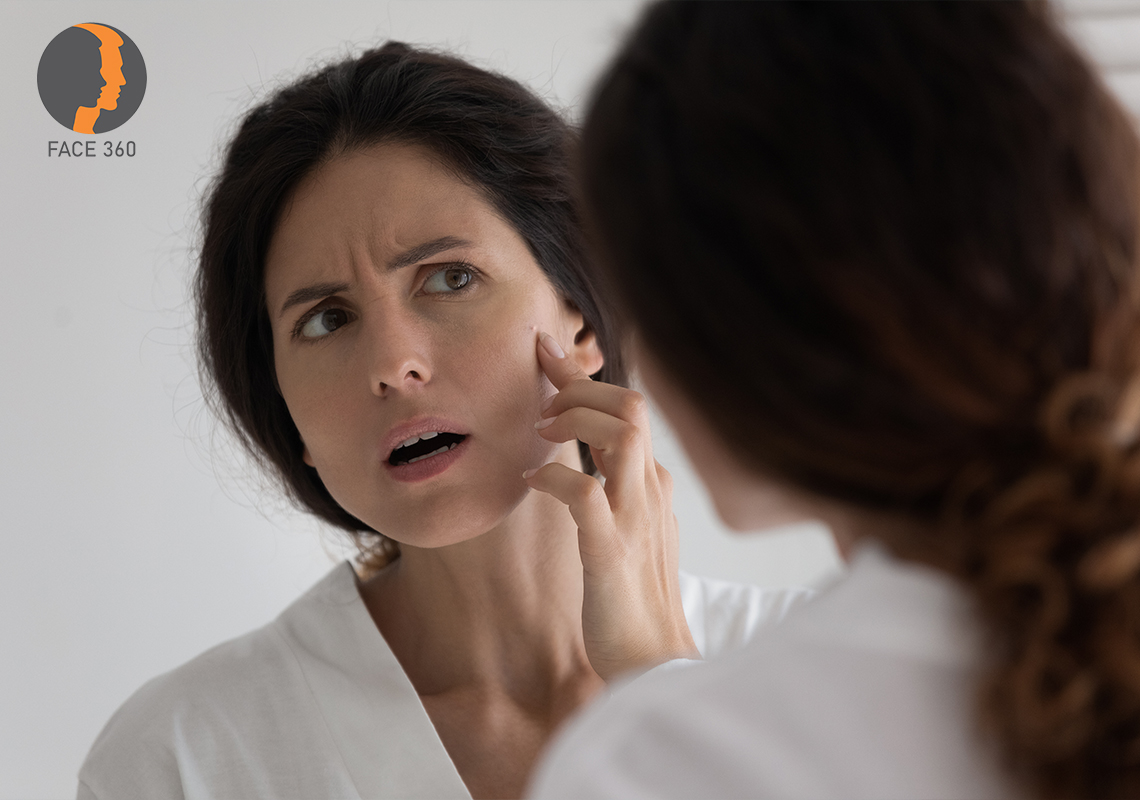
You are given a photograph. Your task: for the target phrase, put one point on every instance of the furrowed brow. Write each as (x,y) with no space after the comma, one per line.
(306,294)
(319,291)
(426,250)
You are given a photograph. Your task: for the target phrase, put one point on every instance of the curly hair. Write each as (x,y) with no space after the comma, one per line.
(895,246)
(496,135)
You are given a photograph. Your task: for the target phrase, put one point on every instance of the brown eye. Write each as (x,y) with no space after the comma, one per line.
(449,280)
(457,278)
(323,323)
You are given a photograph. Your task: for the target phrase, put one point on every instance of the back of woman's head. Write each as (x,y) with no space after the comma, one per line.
(889,252)
(490,130)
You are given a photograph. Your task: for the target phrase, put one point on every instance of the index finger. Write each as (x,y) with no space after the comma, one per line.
(561,369)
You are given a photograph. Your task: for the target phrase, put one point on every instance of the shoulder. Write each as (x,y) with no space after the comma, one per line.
(661,735)
(189,723)
(148,740)
(723,616)
(819,706)
(712,729)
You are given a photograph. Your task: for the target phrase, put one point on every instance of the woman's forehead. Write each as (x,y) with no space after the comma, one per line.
(375,206)
(393,198)
(394,189)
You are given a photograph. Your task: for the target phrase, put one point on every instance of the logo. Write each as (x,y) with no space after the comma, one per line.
(91,78)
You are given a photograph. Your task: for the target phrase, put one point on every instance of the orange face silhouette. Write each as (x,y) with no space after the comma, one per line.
(112,73)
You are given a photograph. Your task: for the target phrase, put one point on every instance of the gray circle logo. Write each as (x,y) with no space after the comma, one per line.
(91,78)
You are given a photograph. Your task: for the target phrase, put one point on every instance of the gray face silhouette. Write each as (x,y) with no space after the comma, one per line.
(68,74)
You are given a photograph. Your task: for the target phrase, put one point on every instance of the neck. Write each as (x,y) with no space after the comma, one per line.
(85,119)
(500,613)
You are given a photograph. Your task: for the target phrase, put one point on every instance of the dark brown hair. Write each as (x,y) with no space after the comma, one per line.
(494,133)
(895,247)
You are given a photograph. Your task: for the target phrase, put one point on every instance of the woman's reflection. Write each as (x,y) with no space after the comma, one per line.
(387,243)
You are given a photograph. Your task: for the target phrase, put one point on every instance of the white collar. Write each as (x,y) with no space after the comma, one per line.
(379,725)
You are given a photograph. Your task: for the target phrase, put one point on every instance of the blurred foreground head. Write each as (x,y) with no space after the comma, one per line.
(888,253)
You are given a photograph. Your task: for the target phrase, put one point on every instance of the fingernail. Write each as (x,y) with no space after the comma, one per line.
(542,423)
(551,346)
(548,402)
(529,473)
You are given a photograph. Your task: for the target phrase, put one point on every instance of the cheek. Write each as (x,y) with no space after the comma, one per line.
(513,386)
(506,387)
(323,415)
(508,350)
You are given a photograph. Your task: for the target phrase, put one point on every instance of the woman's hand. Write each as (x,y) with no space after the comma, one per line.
(627,534)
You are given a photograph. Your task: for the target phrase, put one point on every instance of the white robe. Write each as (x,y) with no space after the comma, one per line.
(315,705)
(868,691)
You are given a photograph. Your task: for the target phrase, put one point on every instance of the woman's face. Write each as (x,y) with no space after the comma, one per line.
(402,304)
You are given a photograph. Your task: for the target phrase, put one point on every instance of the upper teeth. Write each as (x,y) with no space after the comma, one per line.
(415,439)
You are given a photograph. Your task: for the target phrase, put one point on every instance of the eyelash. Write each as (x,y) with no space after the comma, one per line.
(476,276)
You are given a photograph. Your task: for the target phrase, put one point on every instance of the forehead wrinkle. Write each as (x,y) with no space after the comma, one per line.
(372,234)
(347,242)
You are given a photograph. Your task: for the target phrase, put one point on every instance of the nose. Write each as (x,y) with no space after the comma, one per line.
(397,355)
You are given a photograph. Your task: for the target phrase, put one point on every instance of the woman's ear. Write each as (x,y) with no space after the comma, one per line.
(586,350)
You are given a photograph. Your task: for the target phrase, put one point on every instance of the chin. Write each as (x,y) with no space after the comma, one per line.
(463,516)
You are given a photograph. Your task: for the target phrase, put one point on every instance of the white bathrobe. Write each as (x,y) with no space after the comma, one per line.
(314,705)
(867,691)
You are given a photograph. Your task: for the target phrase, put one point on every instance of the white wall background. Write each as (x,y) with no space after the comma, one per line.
(131,536)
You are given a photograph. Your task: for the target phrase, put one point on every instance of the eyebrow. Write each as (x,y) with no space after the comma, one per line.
(319,291)
(426,250)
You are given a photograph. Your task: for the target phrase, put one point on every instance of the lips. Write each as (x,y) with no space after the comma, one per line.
(427,468)
(417,427)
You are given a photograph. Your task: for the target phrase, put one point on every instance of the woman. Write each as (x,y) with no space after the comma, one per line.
(392,277)
(882,265)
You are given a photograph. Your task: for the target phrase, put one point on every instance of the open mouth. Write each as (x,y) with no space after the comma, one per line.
(424,446)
